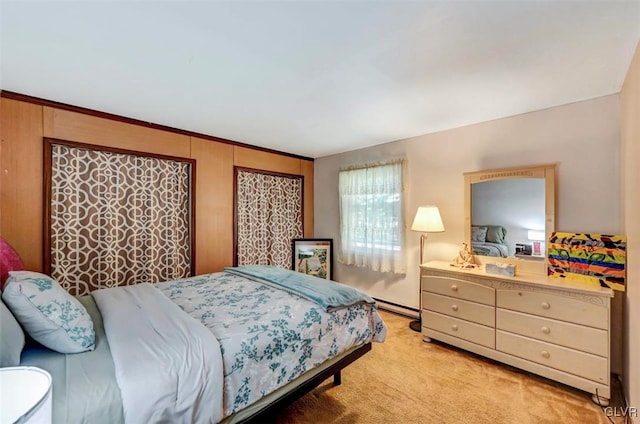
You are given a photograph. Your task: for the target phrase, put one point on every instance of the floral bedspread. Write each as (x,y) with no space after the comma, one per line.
(268,336)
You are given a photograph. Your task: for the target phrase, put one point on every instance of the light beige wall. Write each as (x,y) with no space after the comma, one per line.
(581,138)
(630,136)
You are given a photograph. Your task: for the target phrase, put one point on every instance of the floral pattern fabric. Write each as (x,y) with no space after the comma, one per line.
(48,313)
(269,336)
(479,234)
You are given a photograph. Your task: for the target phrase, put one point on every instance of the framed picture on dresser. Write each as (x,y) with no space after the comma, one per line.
(313,257)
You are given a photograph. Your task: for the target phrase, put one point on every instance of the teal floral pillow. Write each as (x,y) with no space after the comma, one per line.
(48,313)
(478,234)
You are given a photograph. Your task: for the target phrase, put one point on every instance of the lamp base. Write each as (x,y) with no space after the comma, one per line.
(416,325)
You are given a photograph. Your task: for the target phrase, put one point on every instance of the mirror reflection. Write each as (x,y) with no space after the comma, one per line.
(508,217)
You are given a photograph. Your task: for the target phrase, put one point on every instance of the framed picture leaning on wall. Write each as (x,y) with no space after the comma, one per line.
(313,257)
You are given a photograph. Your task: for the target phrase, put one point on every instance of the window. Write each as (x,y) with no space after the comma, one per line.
(371,217)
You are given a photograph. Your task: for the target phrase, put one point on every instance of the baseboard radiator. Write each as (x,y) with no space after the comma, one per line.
(398,309)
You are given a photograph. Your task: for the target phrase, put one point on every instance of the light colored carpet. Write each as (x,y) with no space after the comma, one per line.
(405,380)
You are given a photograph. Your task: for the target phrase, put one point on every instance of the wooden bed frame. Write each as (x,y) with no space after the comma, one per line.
(287,398)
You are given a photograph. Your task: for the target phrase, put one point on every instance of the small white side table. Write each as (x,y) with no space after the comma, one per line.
(25,395)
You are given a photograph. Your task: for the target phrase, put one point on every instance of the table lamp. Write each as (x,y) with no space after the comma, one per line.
(537,237)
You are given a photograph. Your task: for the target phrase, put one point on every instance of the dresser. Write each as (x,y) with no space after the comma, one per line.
(548,326)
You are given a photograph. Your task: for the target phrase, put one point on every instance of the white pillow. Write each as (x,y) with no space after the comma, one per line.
(48,313)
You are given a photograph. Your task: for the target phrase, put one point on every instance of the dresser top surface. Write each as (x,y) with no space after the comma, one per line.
(521,277)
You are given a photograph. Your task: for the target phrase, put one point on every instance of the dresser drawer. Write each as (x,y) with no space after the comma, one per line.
(561,358)
(586,339)
(462,329)
(470,311)
(549,305)
(459,289)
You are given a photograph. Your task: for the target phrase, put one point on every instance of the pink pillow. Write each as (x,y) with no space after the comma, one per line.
(9,261)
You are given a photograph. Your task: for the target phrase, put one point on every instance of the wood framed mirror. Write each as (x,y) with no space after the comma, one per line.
(509,214)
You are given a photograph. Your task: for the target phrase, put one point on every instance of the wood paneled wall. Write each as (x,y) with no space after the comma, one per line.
(22,180)
(24,124)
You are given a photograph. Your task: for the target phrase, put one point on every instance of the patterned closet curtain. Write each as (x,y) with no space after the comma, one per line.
(268,216)
(117,218)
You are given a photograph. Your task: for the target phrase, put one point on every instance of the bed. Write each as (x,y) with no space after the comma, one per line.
(489,240)
(490,249)
(224,347)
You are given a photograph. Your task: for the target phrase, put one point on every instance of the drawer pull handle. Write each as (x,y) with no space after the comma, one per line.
(545,305)
(545,354)
(454,327)
(454,288)
(454,307)
(545,330)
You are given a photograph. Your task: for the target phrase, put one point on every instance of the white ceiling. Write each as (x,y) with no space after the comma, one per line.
(316,78)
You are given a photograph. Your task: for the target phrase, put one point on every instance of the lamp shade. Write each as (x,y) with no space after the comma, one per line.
(427,220)
(535,235)
(25,395)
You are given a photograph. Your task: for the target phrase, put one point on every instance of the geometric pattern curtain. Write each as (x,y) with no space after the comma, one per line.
(117,218)
(268,217)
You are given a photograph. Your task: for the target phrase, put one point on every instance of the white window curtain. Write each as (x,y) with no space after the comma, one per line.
(371,216)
